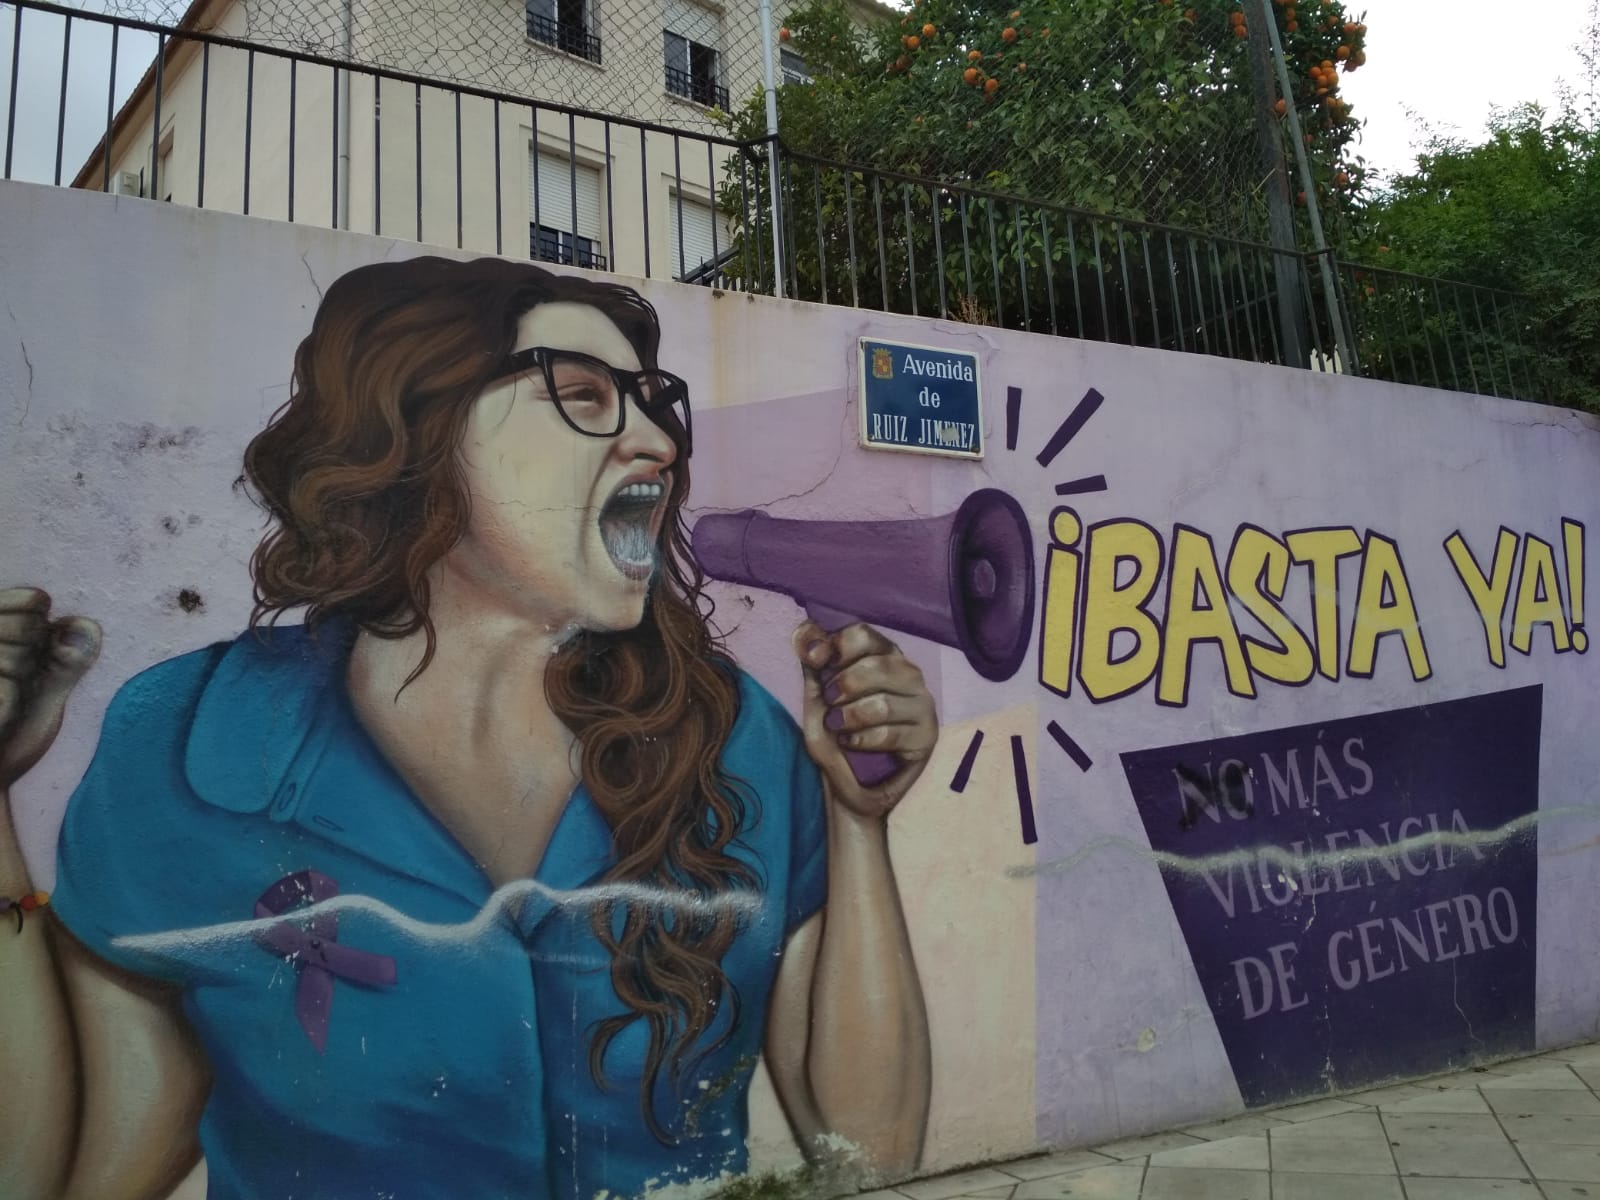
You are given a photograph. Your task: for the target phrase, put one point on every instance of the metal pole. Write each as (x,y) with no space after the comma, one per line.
(343,99)
(1286,265)
(1330,291)
(770,84)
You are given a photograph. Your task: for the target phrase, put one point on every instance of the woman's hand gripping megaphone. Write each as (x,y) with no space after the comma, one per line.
(869,719)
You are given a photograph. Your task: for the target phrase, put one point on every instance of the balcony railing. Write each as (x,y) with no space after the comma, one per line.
(558,246)
(255,130)
(564,35)
(697,88)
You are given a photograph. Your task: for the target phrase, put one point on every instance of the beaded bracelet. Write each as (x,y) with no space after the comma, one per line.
(25,904)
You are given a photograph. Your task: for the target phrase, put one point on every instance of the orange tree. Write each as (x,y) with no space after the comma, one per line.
(1142,109)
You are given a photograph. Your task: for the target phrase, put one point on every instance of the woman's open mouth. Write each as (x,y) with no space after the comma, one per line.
(627,527)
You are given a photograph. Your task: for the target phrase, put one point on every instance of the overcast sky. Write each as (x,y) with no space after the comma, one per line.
(1431,63)
(1451,60)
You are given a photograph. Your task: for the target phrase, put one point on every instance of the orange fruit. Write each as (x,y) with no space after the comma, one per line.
(1008,34)
(974,55)
(1292,26)
(1341,180)
(1281,106)
(1015,13)
(1236,18)
(991,86)
(1022,66)
(913,42)
(928,31)
(970,75)
(1344,53)
(1240,31)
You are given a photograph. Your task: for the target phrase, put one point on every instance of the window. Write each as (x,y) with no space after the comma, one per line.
(792,68)
(558,231)
(163,172)
(689,47)
(565,25)
(702,239)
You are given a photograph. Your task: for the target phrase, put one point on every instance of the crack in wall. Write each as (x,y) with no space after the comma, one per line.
(310,274)
(27,395)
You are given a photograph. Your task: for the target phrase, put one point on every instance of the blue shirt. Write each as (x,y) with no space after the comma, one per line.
(463,1074)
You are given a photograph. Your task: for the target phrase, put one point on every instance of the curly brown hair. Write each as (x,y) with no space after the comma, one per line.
(360,474)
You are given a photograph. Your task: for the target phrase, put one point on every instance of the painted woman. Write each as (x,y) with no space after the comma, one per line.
(571,873)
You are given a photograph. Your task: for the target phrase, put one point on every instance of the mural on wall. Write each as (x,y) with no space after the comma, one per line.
(1009,743)
(503,735)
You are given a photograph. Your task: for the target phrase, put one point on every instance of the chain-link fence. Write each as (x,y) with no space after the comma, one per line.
(1161,110)
(675,62)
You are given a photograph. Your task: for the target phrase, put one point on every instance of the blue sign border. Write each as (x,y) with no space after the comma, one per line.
(861,399)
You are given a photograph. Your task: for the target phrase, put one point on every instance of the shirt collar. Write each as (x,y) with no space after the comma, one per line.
(274,734)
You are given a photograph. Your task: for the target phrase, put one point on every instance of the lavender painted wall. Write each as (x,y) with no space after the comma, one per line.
(1087,971)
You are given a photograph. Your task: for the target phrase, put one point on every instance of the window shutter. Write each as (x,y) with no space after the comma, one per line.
(698,222)
(698,24)
(555,178)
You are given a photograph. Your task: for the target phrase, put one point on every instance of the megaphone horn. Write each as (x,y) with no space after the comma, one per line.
(963,580)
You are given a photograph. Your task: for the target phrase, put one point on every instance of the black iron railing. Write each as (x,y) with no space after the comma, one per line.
(217,122)
(699,88)
(877,239)
(564,35)
(559,246)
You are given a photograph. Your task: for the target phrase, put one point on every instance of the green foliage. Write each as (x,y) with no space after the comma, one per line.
(1519,211)
(1022,124)
(1138,108)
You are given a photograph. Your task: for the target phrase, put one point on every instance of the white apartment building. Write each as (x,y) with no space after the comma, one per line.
(247,131)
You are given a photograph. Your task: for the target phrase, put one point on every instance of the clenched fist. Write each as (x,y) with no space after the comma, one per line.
(41,661)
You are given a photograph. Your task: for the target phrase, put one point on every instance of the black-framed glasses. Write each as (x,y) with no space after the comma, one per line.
(592,396)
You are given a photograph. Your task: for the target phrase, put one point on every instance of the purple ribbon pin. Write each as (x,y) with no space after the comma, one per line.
(314,950)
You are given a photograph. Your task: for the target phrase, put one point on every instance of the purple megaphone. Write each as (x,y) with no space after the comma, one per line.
(962,580)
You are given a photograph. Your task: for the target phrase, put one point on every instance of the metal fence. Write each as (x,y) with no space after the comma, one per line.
(877,239)
(219,122)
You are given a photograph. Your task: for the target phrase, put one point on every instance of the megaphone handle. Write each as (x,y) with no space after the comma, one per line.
(870,767)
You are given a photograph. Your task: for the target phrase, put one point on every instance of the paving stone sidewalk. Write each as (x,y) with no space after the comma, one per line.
(1523,1130)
